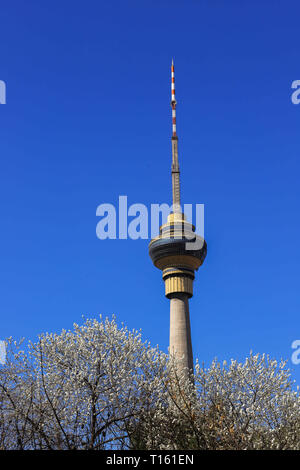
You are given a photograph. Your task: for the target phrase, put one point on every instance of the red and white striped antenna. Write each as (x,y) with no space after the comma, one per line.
(175,164)
(173,99)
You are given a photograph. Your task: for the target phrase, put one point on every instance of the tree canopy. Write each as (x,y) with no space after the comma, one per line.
(99,386)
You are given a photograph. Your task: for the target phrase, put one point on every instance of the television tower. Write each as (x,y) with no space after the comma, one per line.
(178,252)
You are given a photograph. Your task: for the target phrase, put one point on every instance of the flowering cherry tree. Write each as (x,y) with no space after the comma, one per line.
(80,389)
(101,387)
(250,405)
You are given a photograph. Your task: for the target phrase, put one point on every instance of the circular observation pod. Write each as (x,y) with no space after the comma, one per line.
(177,245)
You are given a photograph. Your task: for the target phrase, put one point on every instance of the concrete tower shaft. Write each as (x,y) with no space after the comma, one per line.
(180,329)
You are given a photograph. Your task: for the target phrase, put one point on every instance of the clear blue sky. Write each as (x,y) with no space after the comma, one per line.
(88,119)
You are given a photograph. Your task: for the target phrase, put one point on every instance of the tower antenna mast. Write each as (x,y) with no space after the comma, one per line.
(175,163)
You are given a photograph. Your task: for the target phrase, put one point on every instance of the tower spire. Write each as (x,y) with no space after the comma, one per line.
(175,164)
(173,99)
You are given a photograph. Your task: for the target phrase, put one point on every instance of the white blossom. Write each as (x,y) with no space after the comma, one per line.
(100,387)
